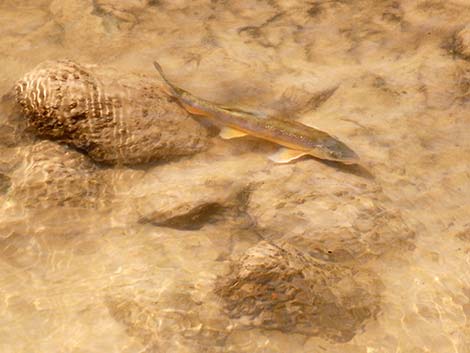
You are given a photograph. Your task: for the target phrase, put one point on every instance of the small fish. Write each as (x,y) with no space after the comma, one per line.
(296,138)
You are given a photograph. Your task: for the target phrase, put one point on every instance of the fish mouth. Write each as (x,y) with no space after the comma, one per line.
(337,152)
(350,157)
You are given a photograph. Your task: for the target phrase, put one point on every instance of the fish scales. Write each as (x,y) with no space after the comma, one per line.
(114,118)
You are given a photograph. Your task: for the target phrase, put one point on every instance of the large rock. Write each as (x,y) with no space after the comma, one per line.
(114,119)
(347,215)
(281,287)
(169,198)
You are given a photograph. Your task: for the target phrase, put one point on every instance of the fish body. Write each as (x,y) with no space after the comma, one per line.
(296,138)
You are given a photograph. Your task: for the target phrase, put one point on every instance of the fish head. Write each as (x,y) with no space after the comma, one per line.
(334,150)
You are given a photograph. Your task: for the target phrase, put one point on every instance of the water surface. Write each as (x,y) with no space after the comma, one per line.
(133,264)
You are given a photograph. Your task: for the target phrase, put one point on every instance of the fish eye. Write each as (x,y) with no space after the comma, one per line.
(335,154)
(329,152)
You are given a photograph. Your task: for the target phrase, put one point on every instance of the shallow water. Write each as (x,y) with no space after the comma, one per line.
(97,258)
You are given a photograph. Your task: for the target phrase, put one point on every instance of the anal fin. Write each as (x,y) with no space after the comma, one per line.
(286,155)
(228,133)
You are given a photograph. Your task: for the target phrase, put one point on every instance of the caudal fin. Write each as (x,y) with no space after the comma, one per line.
(160,70)
(172,90)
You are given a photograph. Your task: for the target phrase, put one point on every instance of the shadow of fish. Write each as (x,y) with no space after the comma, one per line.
(296,138)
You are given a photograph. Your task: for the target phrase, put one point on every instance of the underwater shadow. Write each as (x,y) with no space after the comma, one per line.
(356,169)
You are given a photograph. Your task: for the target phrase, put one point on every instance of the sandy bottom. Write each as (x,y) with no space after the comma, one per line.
(224,251)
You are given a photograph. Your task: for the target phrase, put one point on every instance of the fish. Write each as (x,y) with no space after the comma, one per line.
(296,139)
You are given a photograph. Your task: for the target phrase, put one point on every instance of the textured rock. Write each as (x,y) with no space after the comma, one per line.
(462,43)
(387,77)
(185,216)
(4,183)
(347,214)
(113,119)
(192,206)
(123,11)
(188,323)
(187,194)
(13,126)
(280,287)
(54,175)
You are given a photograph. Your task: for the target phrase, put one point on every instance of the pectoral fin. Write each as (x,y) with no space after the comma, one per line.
(229,133)
(285,155)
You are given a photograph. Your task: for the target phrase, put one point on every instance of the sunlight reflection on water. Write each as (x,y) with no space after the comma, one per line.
(221,250)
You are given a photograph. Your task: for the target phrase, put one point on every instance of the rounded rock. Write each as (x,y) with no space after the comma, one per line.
(53,175)
(114,118)
(280,287)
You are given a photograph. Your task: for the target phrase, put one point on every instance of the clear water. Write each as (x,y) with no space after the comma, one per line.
(133,265)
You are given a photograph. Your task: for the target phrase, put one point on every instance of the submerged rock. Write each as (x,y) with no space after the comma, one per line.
(347,215)
(122,10)
(13,127)
(4,183)
(172,321)
(280,287)
(54,175)
(462,43)
(191,210)
(114,119)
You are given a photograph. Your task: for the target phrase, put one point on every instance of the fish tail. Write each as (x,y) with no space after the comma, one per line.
(172,89)
(192,104)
